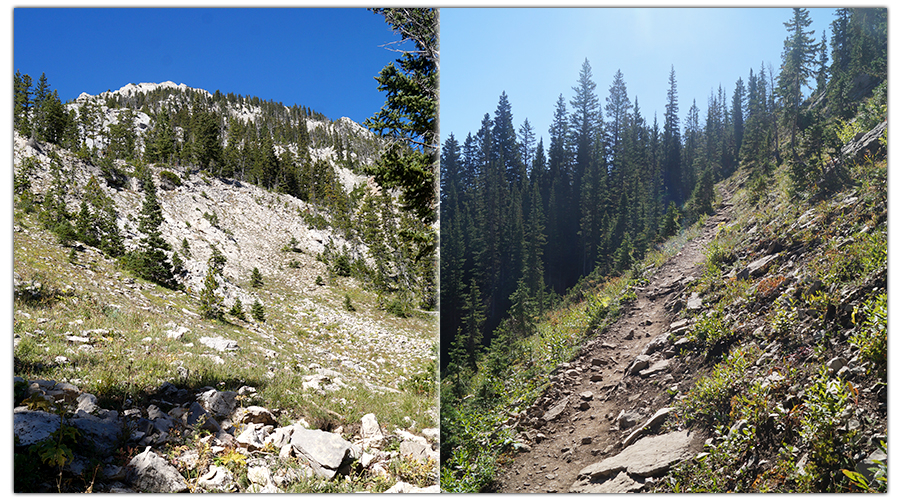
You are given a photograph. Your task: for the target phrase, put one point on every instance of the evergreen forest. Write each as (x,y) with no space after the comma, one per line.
(531,229)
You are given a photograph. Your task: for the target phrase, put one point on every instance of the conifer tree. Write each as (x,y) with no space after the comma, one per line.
(737,113)
(237,310)
(96,221)
(41,95)
(505,147)
(150,259)
(527,143)
(22,103)
(56,120)
(796,69)
(258,311)
(122,136)
(210,302)
(671,145)
(409,115)
(617,111)
(256,279)
(586,121)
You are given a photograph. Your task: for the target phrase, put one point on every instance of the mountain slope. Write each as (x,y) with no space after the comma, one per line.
(765,353)
(327,348)
(759,363)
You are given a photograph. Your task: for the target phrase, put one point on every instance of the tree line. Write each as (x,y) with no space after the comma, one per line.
(523,222)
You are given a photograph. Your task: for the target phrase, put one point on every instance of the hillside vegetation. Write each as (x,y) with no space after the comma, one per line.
(154,264)
(733,298)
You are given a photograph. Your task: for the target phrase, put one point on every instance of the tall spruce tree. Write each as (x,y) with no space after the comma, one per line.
(150,260)
(737,115)
(617,110)
(797,61)
(671,145)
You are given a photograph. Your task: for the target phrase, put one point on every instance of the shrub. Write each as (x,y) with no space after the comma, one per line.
(709,401)
(769,286)
(398,307)
(871,338)
(212,218)
(341,265)
(709,329)
(169,178)
(826,402)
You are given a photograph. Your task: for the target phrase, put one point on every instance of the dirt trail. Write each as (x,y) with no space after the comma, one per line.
(579,426)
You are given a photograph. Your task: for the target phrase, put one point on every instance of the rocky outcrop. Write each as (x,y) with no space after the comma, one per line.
(864,143)
(629,470)
(253,432)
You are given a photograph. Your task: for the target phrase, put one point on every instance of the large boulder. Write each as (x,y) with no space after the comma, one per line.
(325,451)
(103,432)
(220,404)
(149,472)
(32,427)
(648,457)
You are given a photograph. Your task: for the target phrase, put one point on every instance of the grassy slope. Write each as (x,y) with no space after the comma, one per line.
(129,356)
(837,242)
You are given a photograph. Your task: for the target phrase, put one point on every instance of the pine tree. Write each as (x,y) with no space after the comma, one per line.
(257,311)
(89,120)
(409,115)
(822,72)
(150,259)
(505,147)
(671,145)
(237,310)
(737,115)
(527,143)
(617,114)
(796,69)
(256,279)
(206,148)
(586,122)
(160,143)
(41,95)
(122,137)
(56,120)
(22,103)
(96,221)
(210,303)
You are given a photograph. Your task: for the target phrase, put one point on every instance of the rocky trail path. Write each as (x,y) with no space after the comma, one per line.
(589,431)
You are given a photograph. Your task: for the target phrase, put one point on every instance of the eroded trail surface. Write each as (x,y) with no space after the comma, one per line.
(592,430)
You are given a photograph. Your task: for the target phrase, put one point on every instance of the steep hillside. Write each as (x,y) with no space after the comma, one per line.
(748,354)
(752,360)
(305,319)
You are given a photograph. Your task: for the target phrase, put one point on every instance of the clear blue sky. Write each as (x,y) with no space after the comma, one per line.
(325,59)
(534,55)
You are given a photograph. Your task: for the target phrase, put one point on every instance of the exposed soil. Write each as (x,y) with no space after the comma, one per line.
(586,431)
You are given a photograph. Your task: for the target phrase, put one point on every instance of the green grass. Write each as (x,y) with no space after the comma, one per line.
(130,355)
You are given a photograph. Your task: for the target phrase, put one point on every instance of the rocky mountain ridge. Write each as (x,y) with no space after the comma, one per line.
(240,110)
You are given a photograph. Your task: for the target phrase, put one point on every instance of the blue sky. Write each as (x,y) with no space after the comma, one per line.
(325,59)
(534,55)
